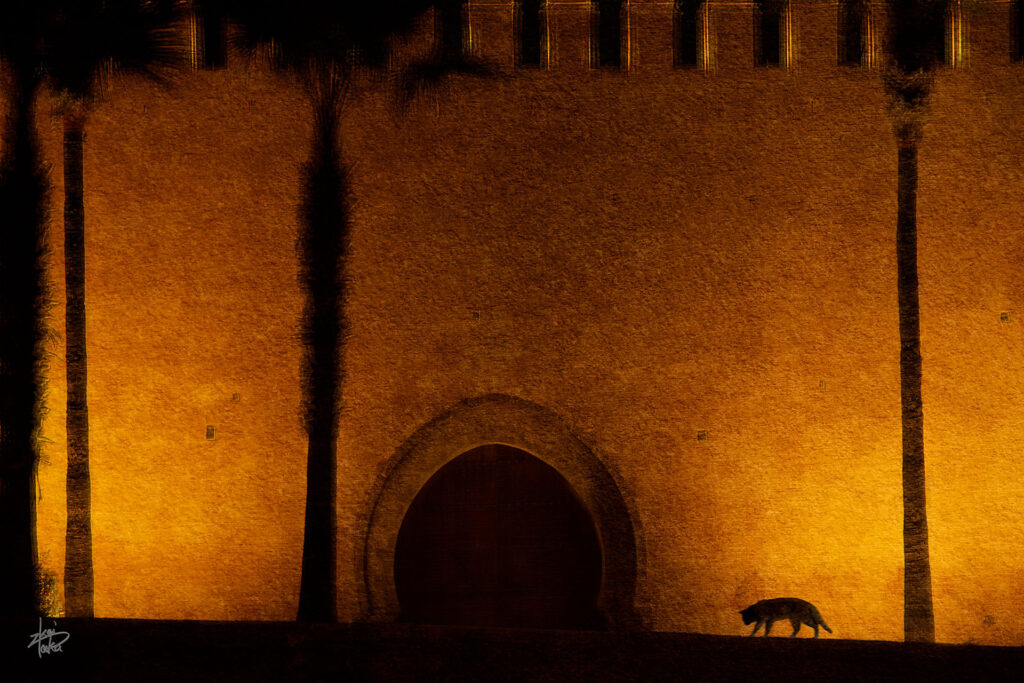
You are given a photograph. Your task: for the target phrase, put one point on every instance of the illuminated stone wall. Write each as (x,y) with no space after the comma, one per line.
(646,253)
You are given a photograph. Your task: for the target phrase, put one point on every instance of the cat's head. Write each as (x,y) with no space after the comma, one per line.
(748,615)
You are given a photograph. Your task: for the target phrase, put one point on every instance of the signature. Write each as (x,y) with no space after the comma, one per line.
(49,640)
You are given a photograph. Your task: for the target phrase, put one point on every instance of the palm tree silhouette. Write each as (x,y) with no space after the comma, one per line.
(916,38)
(23,304)
(325,44)
(87,43)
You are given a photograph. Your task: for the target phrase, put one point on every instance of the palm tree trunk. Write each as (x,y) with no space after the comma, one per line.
(23,301)
(918,619)
(323,250)
(78,577)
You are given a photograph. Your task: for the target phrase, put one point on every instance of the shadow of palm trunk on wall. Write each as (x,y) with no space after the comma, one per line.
(23,305)
(324,44)
(78,572)
(918,618)
(83,45)
(908,82)
(323,248)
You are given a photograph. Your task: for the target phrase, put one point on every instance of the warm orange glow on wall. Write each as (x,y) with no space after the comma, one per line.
(646,256)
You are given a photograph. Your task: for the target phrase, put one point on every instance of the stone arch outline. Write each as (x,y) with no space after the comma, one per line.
(516,422)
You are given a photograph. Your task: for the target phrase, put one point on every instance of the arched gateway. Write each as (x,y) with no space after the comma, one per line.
(494,466)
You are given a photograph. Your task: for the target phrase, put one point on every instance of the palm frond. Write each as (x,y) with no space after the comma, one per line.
(916,33)
(90,41)
(349,34)
(432,73)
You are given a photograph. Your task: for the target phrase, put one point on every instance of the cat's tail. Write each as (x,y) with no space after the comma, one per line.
(821,622)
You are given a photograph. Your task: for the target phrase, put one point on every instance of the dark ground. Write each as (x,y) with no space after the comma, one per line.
(138,650)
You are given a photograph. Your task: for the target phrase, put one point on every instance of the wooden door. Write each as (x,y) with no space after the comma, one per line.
(498,538)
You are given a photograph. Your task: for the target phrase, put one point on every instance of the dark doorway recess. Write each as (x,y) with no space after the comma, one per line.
(498,538)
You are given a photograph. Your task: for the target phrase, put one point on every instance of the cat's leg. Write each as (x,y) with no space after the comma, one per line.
(768,626)
(757,625)
(815,630)
(796,626)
